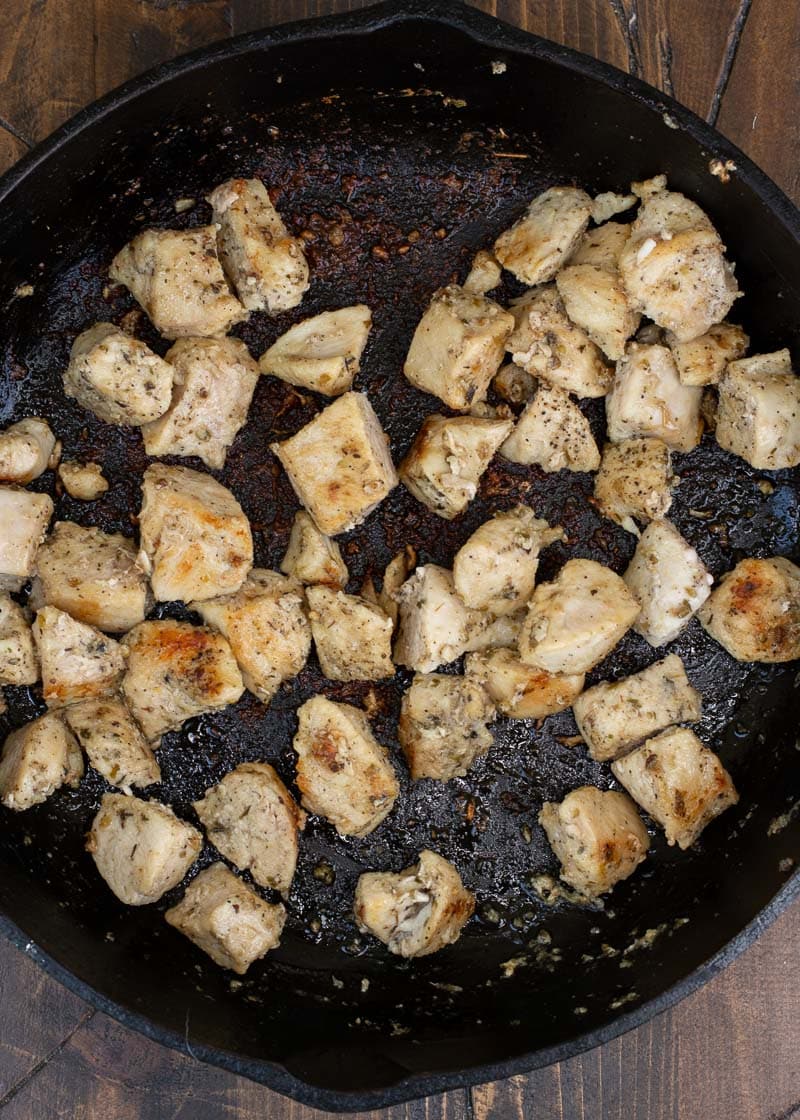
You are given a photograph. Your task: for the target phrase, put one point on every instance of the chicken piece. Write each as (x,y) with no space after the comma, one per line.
(484,274)
(598,837)
(596,301)
(177,278)
(458,346)
(495,569)
(537,245)
(92,575)
(607,204)
(214,384)
(758,416)
(443,725)
(549,346)
(448,458)
(141,848)
(175,672)
(24,518)
(114,744)
(416,911)
(521,691)
(577,619)
(634,482)
(311,556)
(339,464)
(495,632)
(754,611)
(552,433)
(679,782)
(27,449)
(435,625)
(353,637)
(702,360)
(648,399)
(513,384)
(84,481)
(77,661)
(18,662)
(251,818)
(266,625)
(614,717)
(227,919)
(195,539)
(602,247)
(322,353)
(343,772)
(117,377)
(669,580)
(36,760)
(264,263)
(397,572)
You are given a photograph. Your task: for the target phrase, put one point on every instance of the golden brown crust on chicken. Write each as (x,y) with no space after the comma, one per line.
(754,612)
(550,230)
(522,691)
(443,725)
(77,661)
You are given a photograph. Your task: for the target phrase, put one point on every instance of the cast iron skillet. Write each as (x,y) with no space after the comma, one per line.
(368,127)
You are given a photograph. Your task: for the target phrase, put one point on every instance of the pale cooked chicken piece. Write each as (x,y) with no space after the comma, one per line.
(117,377)
(214,382)
(195,539)
(311,557)
(603,246)
(596,301)
(94,576)
(679,782)
(648,399)
(397,572)
(575,620)
(24,518)
(18,661)
(702,360)
(754,611)
(758,416)
(177,671)
(339,464)
(322,353)
(177,278)
(513,384)
(443,725)
(435,625)
(36,760)
(634,482)
(458,346)
(27,449)
(607,204)
(227,919)
(251,819)
(549,346)
(598,837)
(141,848)
(343,772)
(669,581)
(549,231)
(77,661)
(495,569)
(522,691)
(265,264)
(615,716)
(266,625)
(84,481)
(352,636)
(495,631)
(553,433)
(114,744)
(484,273)
(416,911)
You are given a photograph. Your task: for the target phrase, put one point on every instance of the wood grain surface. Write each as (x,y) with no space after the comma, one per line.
(730,1051)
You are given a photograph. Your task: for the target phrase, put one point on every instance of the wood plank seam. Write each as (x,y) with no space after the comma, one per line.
(628,23)
(26,1079)
(728,59)
(9,128)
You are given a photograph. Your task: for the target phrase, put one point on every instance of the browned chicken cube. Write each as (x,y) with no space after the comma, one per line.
(352,636)
(522,691)
(754,612)
(113,743)
(550,230)
(27,449)
(634,482)
(311,556)
(18,662)
(24,518)
(444,725)
(38,759)
(77,661)
(117,377)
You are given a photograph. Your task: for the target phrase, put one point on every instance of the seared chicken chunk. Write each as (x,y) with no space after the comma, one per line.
(447,459)
(522,691)
(195,539)
(141,848)
(416,911)
(339,464)
(397,572)
(596,301)
(669,581)
(602,247)
(634,482)
(265,264)
(322,353)
(352,636)
(177,671)
(577,619)
(27,449)
(536,246)
(214,383)
(443,725)
(252,819)
(598,837)
(495,631)
(754,612)
(227,919)
(84,481)
(513,384)
(458,346)
(484,273)
(552,433)
(117,377)
(758,417)
(435,625)
(114,744)
(679,782)
(176,276)
(614,717)
(607,204)
(311,556)
(24,518)
(18,662)
(343,772)
(702,360)
(36,760)
(648,399)
(77,661)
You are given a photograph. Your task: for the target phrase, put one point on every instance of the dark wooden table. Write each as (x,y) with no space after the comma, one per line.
(729,1052)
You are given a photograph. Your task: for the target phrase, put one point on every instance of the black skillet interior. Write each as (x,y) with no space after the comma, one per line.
(397,144)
